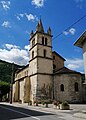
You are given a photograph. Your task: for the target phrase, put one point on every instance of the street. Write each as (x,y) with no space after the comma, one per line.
(16,113)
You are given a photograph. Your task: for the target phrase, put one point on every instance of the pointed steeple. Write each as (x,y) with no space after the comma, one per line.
(49,31)
(39,27)
(31,34)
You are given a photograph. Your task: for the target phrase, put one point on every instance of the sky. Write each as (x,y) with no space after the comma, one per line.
(19,17)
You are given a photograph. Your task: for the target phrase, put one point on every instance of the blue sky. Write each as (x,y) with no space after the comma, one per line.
(18,18)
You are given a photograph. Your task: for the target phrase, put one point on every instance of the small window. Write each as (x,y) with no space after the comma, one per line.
(33,42)
(62,87)
(54,66)
(32,54)
(76,87)
(45,41)
(44,53)
(53,57)
(42,40)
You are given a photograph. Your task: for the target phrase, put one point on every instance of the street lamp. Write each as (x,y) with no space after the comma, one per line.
(11,84)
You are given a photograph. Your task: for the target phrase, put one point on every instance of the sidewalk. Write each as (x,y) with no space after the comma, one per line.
(75,113)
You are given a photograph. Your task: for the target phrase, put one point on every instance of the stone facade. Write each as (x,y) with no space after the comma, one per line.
(68,86)
(58,61)
(45,74)
(20,91)
(81,42)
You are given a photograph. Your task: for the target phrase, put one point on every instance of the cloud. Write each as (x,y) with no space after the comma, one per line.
(27,47)
(6,24)
(12,53)
(38,3)
(80,3)
(75,64)
(5,5)
(10,46)
(71,31)
(30,17)
(18,18)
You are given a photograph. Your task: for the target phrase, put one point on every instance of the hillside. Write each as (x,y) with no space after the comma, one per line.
(6,70)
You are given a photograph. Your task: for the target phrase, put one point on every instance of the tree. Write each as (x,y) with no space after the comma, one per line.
(4,89)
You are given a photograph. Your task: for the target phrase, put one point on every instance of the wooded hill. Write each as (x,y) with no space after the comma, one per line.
(6,70)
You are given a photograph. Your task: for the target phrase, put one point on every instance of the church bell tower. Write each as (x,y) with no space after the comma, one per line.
(40,63)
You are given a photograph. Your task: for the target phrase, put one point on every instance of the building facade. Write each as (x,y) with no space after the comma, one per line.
(46,77)
(81,42)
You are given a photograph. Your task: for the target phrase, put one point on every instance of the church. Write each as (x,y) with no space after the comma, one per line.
(45,77)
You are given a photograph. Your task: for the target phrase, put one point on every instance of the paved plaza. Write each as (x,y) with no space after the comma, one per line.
(76,112)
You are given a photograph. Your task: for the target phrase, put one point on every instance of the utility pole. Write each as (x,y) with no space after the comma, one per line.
(11,84)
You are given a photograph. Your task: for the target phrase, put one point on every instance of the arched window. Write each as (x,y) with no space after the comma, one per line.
(54,66)
(76,87)
(53,57)
(32,54)
(45,41)
(42,40)
(62,87)
(44,53)
(33,42)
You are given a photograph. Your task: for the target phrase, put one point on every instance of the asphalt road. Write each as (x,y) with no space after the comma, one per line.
(16,113)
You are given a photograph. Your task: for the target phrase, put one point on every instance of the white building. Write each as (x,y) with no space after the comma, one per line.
(81,42)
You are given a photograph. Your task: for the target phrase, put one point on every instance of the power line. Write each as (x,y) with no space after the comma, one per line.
(67,29)
(70,26)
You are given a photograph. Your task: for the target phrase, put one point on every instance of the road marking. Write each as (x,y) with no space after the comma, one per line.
(21,113)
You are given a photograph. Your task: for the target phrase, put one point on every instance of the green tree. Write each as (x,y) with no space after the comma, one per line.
(4,89)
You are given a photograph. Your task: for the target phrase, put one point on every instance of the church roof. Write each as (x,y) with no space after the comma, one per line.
(19,70)
(80,41)
(65,70)
(58,55)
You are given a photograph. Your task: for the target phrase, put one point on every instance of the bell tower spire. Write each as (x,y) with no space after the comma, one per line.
(40,57)
(49,31)
(39,27)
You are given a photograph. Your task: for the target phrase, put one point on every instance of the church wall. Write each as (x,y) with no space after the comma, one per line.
(33,67)
(39,39)
(16,88)
(44,66)
(22,73)
(33,81)
(58,62)
(44,84)
(21,97)
(69,94)
(34,38)
(27,89)
(13,92)
(35,52)
(48,51)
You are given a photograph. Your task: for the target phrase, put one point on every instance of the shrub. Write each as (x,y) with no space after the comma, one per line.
(56,103)
(65,106)
(20,101)
(36,103)
(65,103)
(45,102)
(30,102)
